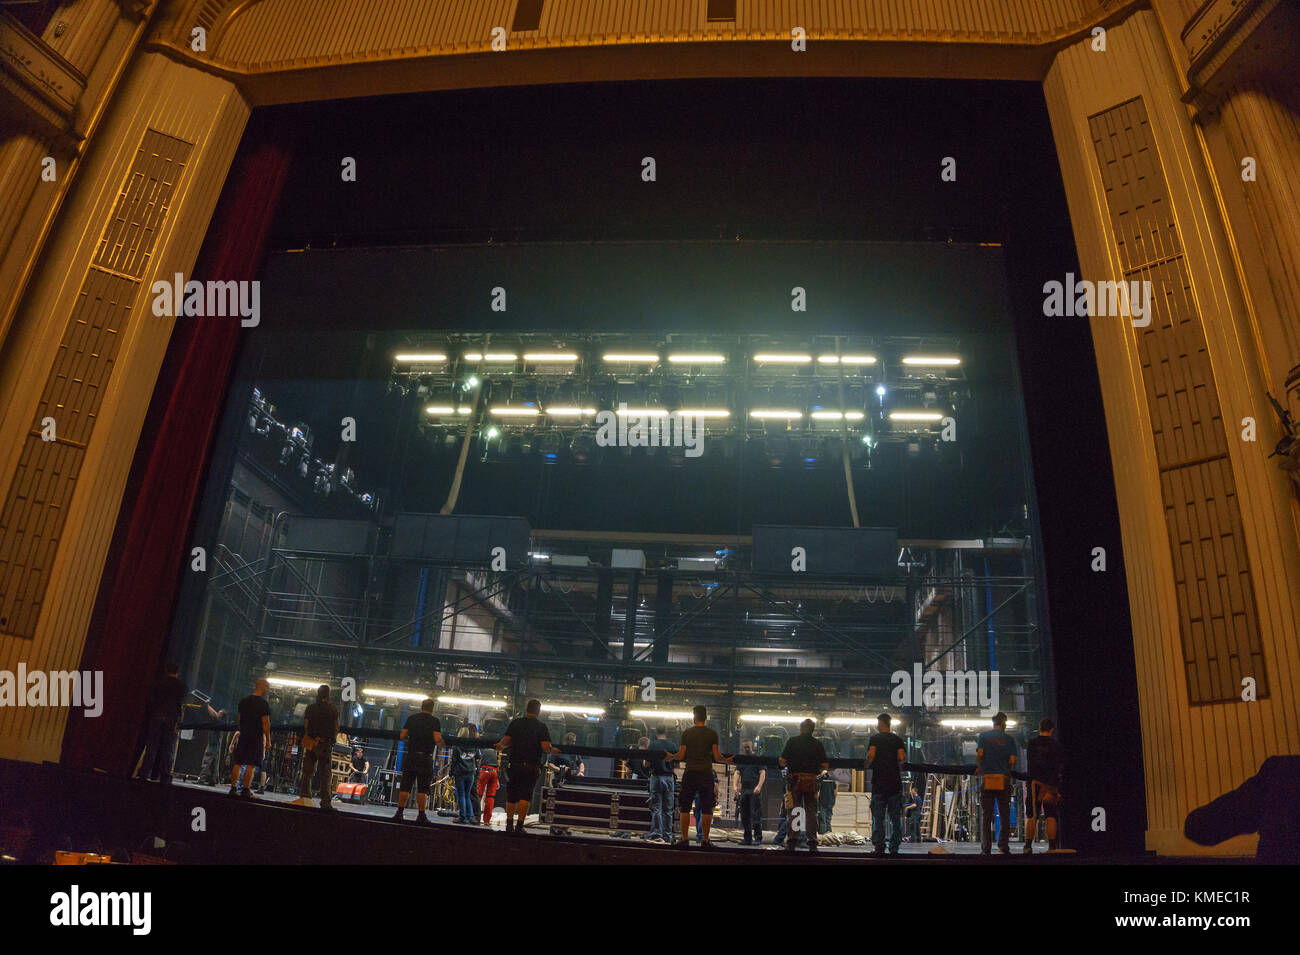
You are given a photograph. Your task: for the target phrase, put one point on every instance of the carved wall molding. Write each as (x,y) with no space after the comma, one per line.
(254,39)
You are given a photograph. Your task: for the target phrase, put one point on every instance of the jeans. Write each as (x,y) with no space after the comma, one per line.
(661,805)
(751,815)
(894,806)
(159,750)
(464,799)
(1001,798)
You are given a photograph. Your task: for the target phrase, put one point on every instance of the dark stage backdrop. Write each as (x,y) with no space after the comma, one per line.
(149,552)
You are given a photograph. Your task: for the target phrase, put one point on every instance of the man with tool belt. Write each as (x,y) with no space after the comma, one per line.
(805,760)
(527,739)
(321,725)
(995,758)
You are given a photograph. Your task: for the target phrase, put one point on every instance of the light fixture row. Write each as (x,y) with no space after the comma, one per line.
(690,358)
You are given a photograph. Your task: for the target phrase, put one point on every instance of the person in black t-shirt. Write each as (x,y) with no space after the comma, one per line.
(527,738)
(423,734)
(749,779)
(1046,758)
(254,738)
(804,759)
(699,748)
(165,702)
(886,753)
(321,726)
(360,766)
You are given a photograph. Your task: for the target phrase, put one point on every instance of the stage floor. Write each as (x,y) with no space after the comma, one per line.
(534,826)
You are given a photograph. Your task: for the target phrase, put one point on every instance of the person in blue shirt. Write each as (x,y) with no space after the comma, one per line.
(995,759)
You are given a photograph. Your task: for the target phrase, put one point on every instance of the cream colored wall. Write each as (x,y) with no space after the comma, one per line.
(1192,754)
(180,102)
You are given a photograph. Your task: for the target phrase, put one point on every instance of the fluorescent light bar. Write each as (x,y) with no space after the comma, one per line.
(665,714)
(631,358)
(491,356)
(836,415)
(860,721)
(775,718)
(440,409)
(507,411)
(644,412)
(394,694)
(697,359)
(703,413)
(774,413)
(567,412)
(296,684)
(469,701)
(972,724)
(782,359)
(550,356)
(915,416)
(847,359)
(931,360)
(565,708)
(419,357)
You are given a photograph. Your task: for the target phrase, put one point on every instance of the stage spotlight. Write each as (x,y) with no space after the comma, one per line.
(880,391)
(582,448)
(549,446)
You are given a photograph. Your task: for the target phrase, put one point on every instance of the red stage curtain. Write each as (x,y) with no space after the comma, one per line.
(150,550)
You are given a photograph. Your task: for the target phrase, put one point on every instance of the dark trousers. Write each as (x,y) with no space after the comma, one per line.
(316,762)
(1001,798)
(808,803)
(893,806)
(159,750)
(751,815)
(914,825)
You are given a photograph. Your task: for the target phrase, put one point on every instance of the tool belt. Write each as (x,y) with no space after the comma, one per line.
(803,784)
(994,782)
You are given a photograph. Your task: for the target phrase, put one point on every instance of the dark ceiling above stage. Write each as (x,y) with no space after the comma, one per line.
(788,159)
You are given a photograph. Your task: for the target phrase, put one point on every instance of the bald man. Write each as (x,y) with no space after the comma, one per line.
(254,738)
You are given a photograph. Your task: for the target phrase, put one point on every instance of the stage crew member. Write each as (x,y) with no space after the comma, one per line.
(1046,759)
(749,779)
(360,766)
(805,760)
(886,754)
(166,700)
(423,734)
(527,738)
(995,758)
(322,726)
(699,749)
(254,738)
(489,781)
